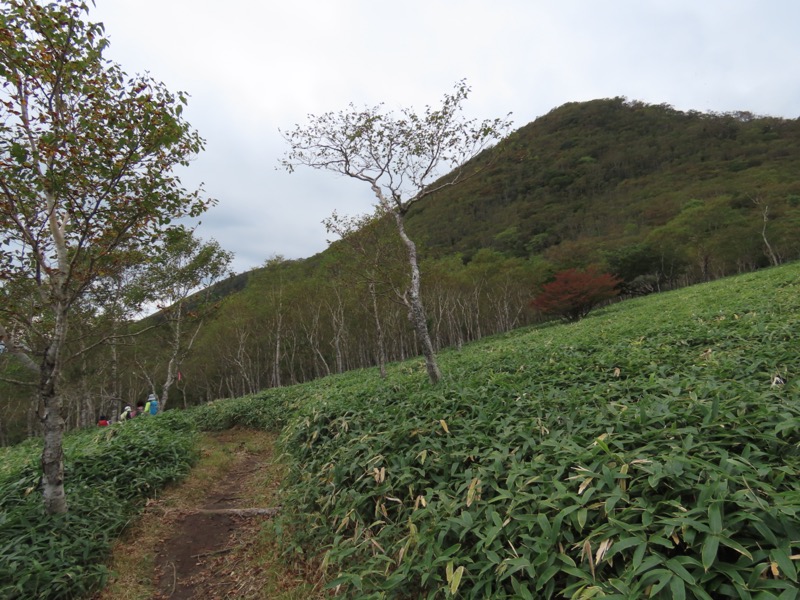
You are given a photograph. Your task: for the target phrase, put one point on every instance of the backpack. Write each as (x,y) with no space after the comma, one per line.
(153,407)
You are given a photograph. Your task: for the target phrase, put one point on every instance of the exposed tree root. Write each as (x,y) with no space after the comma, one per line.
(245,512)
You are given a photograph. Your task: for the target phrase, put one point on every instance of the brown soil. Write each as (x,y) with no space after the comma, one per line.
(188,564)
(188,546)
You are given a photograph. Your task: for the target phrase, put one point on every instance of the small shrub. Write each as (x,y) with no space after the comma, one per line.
(573,293)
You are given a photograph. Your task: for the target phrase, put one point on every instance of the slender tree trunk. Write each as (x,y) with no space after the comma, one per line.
(773,258)
(172,365)
(339,329)
(32,421)
(178,355)
(312,335)
(55,499)
(276,361)
(85,403)
(112,406)
(416,309)
(381,348)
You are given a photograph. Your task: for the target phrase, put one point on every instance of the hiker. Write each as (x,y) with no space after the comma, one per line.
(151,408)
(140,409)
(103,421)
(126,414)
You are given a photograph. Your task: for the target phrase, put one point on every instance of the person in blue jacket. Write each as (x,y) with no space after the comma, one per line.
(151,406)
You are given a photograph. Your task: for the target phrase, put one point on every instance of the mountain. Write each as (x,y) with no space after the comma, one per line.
(659,197)
(594,182)
(605,175)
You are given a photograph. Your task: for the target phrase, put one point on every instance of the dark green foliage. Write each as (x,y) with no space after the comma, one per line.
(642,453)
(613,172)
(109,472)
(264,411)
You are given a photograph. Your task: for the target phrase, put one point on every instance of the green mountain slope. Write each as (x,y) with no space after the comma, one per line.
(660,197)
(608,174)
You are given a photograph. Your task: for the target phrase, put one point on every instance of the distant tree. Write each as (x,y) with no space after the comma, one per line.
(573,293)
(375,258)
(86,171)
(774,259)
(179,277)
(402,159)
(639,267)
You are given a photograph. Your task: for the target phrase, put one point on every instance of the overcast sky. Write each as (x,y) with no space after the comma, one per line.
(252,67)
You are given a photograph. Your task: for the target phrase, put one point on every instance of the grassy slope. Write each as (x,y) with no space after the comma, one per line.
(641,451)
(108,473)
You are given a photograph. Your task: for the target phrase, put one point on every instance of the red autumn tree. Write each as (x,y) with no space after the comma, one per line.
(573,293)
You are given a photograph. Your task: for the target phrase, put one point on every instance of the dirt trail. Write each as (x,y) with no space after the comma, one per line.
(190,544)
(187,564)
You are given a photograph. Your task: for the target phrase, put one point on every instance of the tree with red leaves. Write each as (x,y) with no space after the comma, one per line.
(573,293)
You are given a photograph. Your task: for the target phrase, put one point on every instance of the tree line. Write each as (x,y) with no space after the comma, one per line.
(295,320)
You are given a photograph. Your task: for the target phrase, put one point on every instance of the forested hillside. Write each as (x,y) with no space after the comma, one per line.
(659,197)
(612,180)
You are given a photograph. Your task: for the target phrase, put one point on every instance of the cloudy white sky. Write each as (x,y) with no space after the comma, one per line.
(252,67)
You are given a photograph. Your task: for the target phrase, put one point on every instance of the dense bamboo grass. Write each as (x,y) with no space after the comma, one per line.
(642,452)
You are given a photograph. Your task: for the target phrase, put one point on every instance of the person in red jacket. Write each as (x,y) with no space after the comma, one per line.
(103,422)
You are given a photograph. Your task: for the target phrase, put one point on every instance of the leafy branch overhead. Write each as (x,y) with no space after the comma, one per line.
(87,158)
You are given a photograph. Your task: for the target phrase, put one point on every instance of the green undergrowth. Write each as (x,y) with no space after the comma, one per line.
(109,474)
(642,452)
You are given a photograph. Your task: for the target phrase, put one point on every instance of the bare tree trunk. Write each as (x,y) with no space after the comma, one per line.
(312,336)
(416,309)
(86,410)
(32,422)
(242,362)
(773,259)
(276,362)
(55,499)
(112,405)
(379,342)
(172,366)
(178,354)
(339,329)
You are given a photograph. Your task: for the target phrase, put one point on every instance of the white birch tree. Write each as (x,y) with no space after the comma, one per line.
(404,158)
(179,277)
